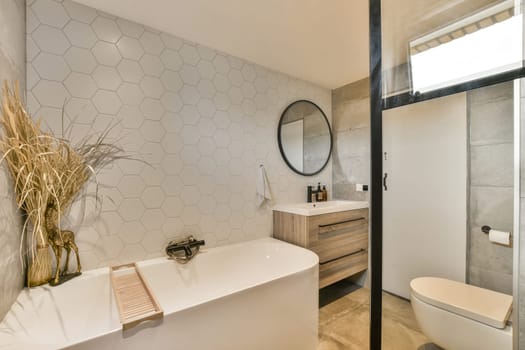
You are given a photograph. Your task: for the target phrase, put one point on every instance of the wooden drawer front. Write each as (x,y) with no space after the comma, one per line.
(343,267)
(334,235)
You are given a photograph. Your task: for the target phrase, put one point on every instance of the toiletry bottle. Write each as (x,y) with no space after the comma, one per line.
(319,192)
(309,194)
(325,193)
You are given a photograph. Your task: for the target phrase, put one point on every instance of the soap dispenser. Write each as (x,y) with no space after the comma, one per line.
(325,193)
(319,193)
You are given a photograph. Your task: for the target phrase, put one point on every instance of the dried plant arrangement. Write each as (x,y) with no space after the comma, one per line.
(48,173)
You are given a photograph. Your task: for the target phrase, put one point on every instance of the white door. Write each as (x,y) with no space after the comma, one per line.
(425,202)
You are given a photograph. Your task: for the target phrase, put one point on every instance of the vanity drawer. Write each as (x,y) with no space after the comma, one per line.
(335,270)
(333,236)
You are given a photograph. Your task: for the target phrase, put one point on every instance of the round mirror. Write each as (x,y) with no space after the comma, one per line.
(305,138)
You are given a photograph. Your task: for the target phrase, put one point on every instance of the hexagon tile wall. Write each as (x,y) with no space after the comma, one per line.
(202,119)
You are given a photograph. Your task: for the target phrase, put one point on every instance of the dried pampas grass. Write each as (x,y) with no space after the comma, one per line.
(46,170)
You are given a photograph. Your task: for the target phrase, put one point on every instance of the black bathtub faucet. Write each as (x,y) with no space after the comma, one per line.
(184,250)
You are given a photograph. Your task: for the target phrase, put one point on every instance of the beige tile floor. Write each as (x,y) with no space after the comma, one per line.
(344,323)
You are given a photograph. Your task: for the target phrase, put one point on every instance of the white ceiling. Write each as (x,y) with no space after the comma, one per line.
(324,42)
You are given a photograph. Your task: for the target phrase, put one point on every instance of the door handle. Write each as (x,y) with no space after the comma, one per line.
(384,182)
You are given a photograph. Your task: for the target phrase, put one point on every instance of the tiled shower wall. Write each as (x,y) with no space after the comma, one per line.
(203,120)
(12,68)
(491,164)
(351,129)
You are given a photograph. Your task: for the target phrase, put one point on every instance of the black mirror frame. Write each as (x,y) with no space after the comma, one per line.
(281,146)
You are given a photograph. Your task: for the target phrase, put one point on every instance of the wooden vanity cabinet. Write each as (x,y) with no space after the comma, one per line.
(339,239)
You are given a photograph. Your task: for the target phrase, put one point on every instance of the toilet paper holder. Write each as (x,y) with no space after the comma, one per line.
(486,229)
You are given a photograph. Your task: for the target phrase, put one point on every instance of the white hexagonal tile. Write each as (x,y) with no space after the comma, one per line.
(171,59)
(190,115)
(171,122)
(171,81)
(152,176)
(130,94)
(221,156)
(248,90)
(106,29)
(154,241)
(206,107)
(235,77)
(132,166)
(80,12)
(206,69)
(171,42)
(80,85)
(171,102)
(80,34)
(235,62)
(130,71)
(206,53)
(206,146)
(189,54)
(152,109)
(190,215)
(50,12)
(129,28)
(106,53)
(110,247)
(151,43)
(109,223)
(222,138)
(32,49)
(51,40)
(222,120)
(131,209)
(236,148)
(222,101)
(32,21)
(189,95)
(130,117)
(189,175)
(221,64)
(190,155)
(132,232)
(206,165)
(236,95)
(248,72)
(152,197)
(248,107)
(152,130)
(172,143)
(152,153)
(172,165)
(261,85)
(51,67)
(80,111)
(80,60)
(189,74)
(131,186)
(206,127)
(207,204)
(190,134)
(132,141)
(50,93)
(151,65)
(130,48)
(222,214)
(221,83)
(172,206)
(172,185)
(131,253)
(153,218)
(107,102)
(152,87)
(236,166)
(206,89)
(107,78)
(190,195)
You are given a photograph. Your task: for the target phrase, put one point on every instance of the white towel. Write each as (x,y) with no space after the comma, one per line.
(263,187)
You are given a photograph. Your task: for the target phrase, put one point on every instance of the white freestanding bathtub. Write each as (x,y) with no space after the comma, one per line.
(260,294)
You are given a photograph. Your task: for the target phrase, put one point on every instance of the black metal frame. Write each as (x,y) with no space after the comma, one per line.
(377,105)
(281,146)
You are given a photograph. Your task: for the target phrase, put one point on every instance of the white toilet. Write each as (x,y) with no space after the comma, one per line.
(457,316)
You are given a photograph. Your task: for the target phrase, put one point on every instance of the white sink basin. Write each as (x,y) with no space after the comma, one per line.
(309,209)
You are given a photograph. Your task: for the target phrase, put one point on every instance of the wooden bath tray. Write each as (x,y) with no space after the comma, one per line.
(136,302)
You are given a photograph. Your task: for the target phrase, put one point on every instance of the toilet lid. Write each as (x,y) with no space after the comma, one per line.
(483,305)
